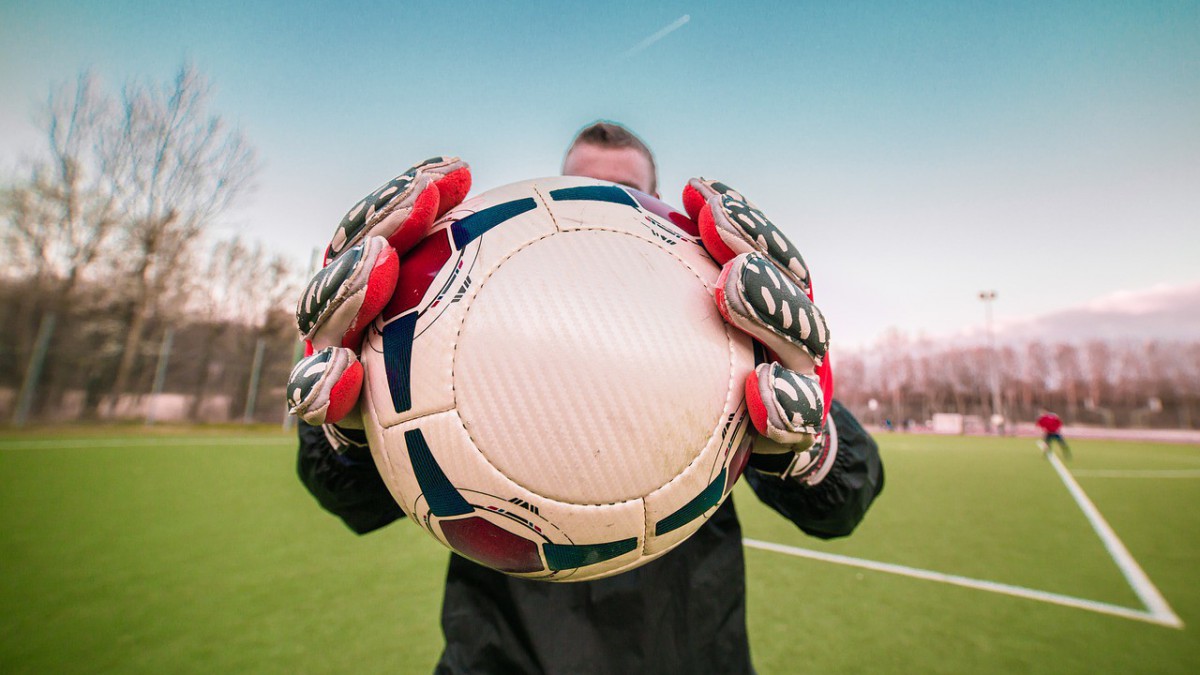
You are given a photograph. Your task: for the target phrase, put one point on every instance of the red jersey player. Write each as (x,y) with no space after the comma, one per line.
(1051,426)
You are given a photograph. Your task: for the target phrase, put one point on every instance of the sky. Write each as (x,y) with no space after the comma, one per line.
(917,153)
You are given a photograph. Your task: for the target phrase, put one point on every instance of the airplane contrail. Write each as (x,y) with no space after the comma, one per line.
(664,32)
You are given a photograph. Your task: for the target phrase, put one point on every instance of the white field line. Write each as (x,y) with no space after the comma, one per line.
(966,582)
(1137,473)
(141,441)
(1157,610)
(1141,584)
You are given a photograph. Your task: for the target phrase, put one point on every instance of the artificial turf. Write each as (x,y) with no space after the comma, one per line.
(185,550)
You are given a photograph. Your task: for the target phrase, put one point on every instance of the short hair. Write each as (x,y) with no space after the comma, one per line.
(607,134)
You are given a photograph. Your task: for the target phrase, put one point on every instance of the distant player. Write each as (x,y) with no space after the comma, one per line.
(1051,426)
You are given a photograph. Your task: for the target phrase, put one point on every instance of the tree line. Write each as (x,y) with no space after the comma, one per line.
(1104,383)
(112,289)
(112,285)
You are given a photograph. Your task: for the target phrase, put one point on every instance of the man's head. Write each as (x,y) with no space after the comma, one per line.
(613,153)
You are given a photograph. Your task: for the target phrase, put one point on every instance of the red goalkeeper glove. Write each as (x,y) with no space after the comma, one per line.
(764,290)
(360,273)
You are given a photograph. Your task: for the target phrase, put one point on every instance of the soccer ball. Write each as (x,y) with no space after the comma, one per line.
(551,391)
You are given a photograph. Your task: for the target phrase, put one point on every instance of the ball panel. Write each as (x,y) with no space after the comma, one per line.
(486,215)
(442,497)
(709,498)
(584,203)
(592,367)
(441,480)
(412,343)
(492,545)
(609,571)
(571,556)
(677,510)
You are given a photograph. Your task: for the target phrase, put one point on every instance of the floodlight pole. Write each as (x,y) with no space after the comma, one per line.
(988,297)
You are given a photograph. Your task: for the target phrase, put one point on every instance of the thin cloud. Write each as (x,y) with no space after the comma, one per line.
(662,33)
(1168,312)
(1158,298)
(1162,312)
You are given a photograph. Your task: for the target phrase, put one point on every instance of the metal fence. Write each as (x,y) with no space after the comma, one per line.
(61,368)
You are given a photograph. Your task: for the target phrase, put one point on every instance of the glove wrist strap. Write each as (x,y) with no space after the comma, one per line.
(344,440)
(812,473)
(808,467)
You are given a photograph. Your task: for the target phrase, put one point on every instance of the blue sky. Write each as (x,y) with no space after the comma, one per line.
(917,152)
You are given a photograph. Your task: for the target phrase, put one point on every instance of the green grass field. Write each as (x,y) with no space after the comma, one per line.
(181,551)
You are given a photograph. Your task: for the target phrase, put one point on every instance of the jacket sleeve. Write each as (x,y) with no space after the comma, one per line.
(834,507)
(347,485)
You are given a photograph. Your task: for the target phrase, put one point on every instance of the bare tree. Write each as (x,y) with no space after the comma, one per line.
(176,169)
(61,216)
(60,219)
(1035,375)
(241,286)
(104,228)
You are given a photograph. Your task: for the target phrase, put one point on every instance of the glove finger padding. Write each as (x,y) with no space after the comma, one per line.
(784,405)
(731,225)
(402,209)
(343,298)
(324,388)
(765,290)
(754,296)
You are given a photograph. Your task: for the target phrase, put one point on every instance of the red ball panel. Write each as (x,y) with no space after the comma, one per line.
(493,546)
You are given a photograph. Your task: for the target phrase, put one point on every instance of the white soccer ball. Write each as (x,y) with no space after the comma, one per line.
(552,392)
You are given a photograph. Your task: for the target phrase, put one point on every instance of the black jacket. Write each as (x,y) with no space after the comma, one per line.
(682,613)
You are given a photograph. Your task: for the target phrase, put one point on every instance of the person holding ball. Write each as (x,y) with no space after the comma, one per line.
(686,611)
